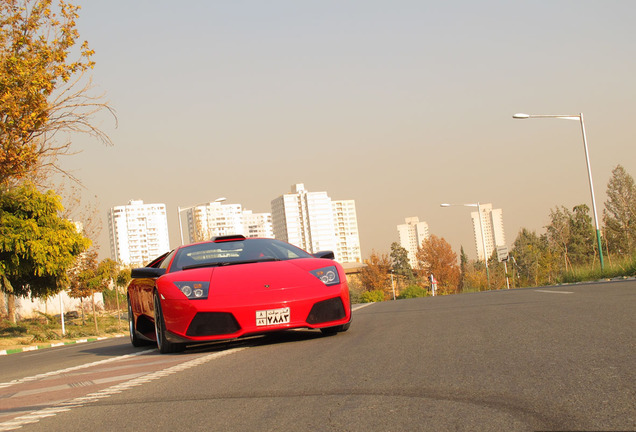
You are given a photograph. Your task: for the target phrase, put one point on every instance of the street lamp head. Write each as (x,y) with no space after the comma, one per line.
(557,116)
(220,199)
(445,205)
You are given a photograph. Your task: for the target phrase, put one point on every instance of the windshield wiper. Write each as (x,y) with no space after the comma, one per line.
(229,263)
(202,265)
(252,261)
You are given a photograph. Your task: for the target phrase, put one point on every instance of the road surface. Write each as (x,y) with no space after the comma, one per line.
(551,358)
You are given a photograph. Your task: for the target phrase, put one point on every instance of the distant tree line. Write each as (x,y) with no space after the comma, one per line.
(567,246)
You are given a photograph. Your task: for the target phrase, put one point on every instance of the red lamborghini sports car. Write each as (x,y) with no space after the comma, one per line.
(231,287)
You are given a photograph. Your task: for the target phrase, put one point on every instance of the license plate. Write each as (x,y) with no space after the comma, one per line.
(273,316)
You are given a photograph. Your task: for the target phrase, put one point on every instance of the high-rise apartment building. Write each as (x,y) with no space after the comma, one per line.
(491,220)
(346,230)
(215,219)
(205,221)
(311,221)
(138,232)
(412,233)
(257,224)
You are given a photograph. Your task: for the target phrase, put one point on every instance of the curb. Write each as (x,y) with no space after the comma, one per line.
(56,344)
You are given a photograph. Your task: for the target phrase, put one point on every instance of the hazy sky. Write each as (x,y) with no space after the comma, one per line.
(399,105)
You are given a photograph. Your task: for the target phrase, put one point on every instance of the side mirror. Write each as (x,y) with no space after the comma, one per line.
(147,272)
(325,255)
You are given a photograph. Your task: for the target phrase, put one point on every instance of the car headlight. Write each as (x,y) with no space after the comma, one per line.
(328,275)
(194,290)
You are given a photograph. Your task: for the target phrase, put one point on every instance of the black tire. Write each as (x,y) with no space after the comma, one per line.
(135,340)
(335,329)
(163,344)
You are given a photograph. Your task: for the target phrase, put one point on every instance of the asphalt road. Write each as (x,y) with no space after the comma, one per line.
(557,358)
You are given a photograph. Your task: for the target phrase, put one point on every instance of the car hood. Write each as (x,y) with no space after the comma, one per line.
(266,276)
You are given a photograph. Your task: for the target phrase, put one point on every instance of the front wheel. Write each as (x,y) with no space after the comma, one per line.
(164,345)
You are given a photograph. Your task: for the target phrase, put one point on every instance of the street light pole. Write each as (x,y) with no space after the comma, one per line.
(392,284)
(180,230)
(578,117)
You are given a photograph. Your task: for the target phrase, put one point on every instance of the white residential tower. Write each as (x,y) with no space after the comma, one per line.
(205,221)
(412,233)
(346,230)
(138,232)
(312,221)
(492,223)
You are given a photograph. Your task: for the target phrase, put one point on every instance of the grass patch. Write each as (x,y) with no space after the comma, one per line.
(619,268)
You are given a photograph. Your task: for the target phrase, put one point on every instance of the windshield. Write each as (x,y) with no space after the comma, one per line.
(235,252)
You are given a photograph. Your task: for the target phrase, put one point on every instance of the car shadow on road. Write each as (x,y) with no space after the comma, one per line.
(280,337)
(115,350)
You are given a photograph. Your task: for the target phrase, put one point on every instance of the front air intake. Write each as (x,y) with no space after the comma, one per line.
(326,310)
(213,324)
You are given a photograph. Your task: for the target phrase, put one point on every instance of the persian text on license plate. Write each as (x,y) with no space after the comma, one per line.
(272,316)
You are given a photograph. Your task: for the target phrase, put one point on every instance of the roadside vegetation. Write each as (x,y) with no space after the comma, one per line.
(623,268)
(566,252)
(44,328)
(47,234)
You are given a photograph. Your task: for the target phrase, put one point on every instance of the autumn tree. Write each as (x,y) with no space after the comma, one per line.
(619,216)
(44,91)
(400,262)
(109,269)
(525,254)
(37,246)
(376,276)
(436,257)
(463,268)
(497,272)
(123,277)
(473,275)
(534,260)
(90,277)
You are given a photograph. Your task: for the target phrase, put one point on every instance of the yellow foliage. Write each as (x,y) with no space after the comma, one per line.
(436,257)
(36,79)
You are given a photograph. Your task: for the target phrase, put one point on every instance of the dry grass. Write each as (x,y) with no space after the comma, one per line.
(47,329)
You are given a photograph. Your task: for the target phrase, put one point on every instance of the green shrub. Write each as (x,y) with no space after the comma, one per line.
(110,299)
(78,333)
(44,336)
(372,296)
(413,291)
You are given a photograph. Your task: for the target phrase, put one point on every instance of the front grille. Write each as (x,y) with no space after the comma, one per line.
(213,324)
(326,310)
